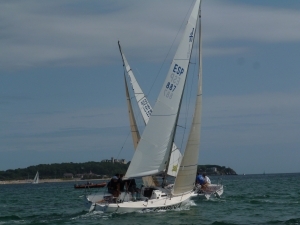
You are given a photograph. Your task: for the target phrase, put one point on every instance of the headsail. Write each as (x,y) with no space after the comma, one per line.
(185,179)
(146,110)
(148,180)
(153,150)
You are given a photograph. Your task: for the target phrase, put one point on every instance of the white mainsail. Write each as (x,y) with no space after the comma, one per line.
(153,151)
(36,178)
(146,110)
(185,179)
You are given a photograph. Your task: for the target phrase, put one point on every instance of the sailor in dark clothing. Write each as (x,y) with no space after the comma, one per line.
(114,186)
(122,184)
(130,186)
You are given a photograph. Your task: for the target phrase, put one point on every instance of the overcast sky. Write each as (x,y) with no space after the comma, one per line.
(62,90)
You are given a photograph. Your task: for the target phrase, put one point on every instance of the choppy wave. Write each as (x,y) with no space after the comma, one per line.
(247,200)
(8,218)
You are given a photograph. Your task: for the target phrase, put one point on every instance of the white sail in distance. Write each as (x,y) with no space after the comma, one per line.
(36,178)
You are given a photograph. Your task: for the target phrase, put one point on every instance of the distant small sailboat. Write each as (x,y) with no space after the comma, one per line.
(36,178)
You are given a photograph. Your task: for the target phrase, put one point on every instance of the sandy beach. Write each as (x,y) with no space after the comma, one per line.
(49,181)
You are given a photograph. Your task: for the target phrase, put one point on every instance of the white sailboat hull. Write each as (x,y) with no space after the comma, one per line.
(164,203)
(213,190)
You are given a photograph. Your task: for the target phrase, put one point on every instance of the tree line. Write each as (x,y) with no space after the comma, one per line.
(58,170)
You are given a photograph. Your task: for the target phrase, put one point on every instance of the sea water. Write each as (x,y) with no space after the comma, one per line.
(249,199)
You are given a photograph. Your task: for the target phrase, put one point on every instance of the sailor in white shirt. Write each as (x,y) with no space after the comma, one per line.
(206,179)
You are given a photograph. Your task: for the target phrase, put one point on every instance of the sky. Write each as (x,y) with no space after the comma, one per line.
(62,96)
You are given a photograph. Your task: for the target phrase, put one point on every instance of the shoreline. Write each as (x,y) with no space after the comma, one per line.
(41,181)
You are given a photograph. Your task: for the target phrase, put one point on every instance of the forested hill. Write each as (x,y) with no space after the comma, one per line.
(87,170)
(216,170)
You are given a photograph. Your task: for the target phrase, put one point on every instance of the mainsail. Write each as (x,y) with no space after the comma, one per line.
(153,151)
(185,179)
(146,110)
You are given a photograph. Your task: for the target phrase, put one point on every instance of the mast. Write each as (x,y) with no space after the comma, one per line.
(185,179)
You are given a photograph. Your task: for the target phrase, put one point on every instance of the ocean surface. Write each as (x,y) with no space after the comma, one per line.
(248,199)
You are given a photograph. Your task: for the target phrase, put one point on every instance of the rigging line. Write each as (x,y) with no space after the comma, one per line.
(123,145)
(185,19)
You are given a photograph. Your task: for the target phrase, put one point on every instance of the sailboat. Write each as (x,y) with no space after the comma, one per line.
(36,178)
(212,190)
(153,150)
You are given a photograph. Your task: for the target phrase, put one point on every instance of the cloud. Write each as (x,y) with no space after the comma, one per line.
(32,38)
(264,119)
(256,117)
(61,121)
(219,51)
(252,133)
(5,99)
(35,34)
(68,130)
(223,21)
(231,125)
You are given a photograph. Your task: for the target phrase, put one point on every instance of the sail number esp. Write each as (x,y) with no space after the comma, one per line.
(175,79)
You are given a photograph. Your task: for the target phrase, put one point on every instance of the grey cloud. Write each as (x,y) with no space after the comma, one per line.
(36,34)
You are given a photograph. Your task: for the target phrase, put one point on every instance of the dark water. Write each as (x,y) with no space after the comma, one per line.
(249,199)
